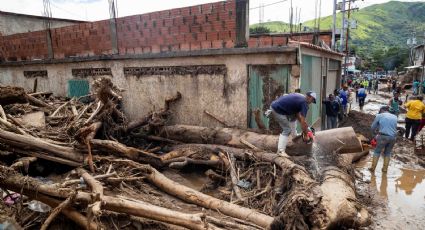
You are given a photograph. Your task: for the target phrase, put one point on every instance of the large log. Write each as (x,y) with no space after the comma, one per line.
(29,142)
(307,203)
(192,196)
(15,182)
(329,139)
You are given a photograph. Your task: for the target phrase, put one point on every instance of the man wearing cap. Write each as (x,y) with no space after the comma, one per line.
(288,108)
(385,126)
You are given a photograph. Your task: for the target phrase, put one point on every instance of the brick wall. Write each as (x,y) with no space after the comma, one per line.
(85,39)
(190,28)
(207,26)
(26,46)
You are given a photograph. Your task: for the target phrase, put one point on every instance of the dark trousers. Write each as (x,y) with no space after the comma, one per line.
(361,101)
(412,124)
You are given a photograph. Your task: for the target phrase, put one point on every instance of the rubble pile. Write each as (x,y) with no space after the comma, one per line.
(82,163)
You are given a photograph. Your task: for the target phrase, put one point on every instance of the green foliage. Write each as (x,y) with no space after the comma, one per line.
(382,30)
(274,27)
(259,30)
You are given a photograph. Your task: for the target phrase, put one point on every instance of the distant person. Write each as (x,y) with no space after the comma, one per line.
(369,85)
(344,94)
(375,86)
(362,96)
(286,110)
(385,126)
(394,85)
(349,82)
(416,87)
(415,109)
(395,104)
(332,110)
(365,83)
(339,100)
(356,89)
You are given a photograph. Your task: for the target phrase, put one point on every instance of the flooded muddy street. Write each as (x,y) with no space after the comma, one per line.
(396,198)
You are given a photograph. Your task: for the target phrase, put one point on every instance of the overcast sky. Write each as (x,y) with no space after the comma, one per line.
(92,10)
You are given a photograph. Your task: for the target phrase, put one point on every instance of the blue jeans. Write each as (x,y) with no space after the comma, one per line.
(331,122)
(385,143)
(287,123)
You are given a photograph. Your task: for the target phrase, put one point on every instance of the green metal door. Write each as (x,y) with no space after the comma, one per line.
(311,80)
(78,87)
(266,83)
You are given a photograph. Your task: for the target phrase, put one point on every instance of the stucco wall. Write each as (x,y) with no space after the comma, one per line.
(15,23)
(223,95)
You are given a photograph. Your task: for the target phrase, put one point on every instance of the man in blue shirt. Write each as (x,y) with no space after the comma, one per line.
(344,95)
(385,124)
(362,96)
(288,108)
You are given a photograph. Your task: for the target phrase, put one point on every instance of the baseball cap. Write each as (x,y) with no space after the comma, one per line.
(313,95)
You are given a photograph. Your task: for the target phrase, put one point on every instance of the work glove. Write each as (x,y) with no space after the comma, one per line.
(267,113)
(373,142)
(308,137)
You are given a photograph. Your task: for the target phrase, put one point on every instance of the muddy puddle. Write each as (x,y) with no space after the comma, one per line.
(401,192)
(399,195)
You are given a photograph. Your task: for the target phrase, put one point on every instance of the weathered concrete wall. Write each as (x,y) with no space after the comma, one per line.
(223,95)
(11,23)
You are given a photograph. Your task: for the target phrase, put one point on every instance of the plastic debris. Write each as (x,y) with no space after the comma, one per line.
(38,206)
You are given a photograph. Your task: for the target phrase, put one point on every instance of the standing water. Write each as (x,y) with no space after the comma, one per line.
(402,193)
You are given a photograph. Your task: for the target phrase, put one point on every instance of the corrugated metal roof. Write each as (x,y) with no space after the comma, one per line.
(311,46)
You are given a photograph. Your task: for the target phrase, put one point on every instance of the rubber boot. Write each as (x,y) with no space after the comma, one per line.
(281,146)
(374,163)
(386,163)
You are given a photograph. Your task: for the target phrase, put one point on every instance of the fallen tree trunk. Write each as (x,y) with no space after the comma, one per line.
(29,142)
(15,182)
(192,196)
(307,203)
(339,200)
(232,137)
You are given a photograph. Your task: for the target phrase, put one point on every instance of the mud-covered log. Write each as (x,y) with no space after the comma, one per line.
(339,200)
(306,203)
(332,139)
(29,142)
(11,95)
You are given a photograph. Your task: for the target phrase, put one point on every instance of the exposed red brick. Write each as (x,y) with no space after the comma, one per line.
(195,46)
(217,44)
(185,46)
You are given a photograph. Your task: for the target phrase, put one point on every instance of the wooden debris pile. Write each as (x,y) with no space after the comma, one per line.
(90,164)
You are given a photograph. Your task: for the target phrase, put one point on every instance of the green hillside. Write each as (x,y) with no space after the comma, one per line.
(379,27)
(274,27)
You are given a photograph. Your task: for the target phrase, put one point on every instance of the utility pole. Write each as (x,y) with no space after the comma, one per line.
(334,26)
(346,40)
(341,49)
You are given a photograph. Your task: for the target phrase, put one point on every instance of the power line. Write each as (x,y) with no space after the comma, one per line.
(274,3)
(69,12)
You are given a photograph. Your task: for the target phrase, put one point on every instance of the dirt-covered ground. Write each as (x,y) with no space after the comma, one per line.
(396,198)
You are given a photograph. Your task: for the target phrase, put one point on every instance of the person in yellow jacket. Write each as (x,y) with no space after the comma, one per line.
(365,83)
(415,109)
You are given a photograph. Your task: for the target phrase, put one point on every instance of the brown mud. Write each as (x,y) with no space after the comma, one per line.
(395,199)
